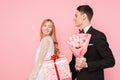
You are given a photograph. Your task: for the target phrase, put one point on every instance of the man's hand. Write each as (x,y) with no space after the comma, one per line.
(80,63)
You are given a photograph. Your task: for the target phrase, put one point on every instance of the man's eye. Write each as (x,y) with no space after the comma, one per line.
(75,15)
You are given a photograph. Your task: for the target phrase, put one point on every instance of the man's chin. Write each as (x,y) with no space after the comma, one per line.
(77,25)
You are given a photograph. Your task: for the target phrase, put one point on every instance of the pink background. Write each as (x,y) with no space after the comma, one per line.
(19,31)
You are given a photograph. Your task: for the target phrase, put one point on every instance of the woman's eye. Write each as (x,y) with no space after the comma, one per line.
(50,26)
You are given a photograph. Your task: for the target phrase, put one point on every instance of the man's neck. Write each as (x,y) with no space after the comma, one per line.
(83,26)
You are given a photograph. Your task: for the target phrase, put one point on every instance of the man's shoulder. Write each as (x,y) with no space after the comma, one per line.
(98,32)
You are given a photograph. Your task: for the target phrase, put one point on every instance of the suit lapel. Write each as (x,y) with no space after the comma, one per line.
(90,30)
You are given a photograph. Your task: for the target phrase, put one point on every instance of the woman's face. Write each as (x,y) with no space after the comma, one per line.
(47,28)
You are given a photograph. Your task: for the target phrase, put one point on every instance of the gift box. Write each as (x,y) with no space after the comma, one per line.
(56,69)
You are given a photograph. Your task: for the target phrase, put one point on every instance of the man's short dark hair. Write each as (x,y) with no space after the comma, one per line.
(87,10)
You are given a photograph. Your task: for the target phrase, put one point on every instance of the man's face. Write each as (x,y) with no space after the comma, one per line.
(78,18)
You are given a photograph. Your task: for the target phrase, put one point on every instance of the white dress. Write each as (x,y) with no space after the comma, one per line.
(46,46)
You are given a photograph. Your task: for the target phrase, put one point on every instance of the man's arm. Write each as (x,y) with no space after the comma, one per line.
(104,51)
(72,67)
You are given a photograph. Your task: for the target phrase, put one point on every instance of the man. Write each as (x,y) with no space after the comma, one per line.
(98,56)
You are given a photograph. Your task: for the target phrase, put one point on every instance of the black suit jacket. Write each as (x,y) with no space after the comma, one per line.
(99,56)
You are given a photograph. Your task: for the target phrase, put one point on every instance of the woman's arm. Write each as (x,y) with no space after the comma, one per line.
(43,50)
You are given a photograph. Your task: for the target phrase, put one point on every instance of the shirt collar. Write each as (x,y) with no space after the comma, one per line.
(86,28)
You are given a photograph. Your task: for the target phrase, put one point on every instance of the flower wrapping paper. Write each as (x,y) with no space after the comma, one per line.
(62,67)
(78,44)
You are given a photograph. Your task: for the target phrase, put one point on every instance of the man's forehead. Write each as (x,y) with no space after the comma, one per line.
(77,12)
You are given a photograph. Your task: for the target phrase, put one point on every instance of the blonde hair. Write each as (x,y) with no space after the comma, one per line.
(53,35)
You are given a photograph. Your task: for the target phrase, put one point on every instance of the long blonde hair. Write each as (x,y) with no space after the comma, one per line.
(53,35)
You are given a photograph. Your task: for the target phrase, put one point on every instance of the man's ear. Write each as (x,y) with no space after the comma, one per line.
(84,16)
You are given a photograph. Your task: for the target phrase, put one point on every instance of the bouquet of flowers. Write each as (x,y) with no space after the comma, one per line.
(78,44)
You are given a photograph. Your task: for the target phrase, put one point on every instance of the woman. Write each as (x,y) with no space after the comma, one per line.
(48,46)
